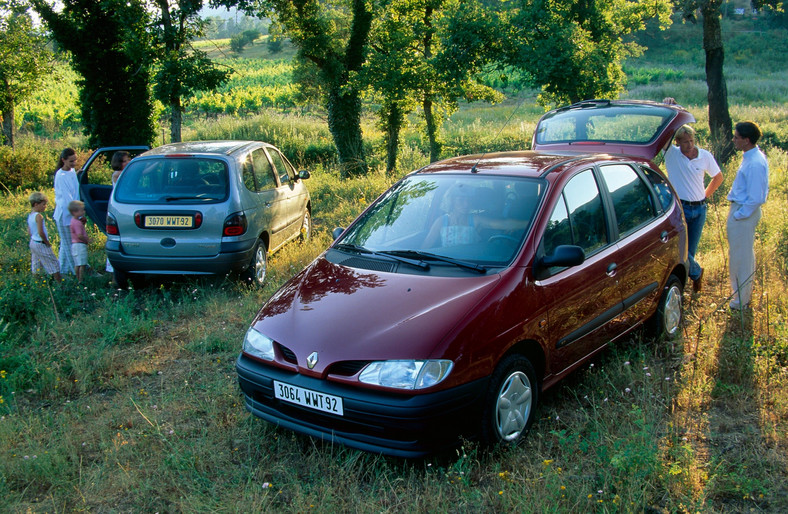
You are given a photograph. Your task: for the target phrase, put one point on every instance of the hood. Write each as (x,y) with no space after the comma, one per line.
(348,314)
(633,128)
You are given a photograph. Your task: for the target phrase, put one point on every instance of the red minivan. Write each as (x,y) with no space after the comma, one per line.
(475,283)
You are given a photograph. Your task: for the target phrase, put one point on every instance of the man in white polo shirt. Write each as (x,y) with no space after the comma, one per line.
(749,191)
(687,167)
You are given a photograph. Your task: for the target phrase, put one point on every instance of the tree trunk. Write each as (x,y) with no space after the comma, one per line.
(426,105)
(344,123)
(344,100)
(432,130)
(720,123)
(176,120)
(8,126)
(393,127)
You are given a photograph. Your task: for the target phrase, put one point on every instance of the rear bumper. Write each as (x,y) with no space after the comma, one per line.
(232,257)
(373,421)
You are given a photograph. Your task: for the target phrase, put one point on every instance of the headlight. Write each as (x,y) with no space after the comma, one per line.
(406,374)
(258,345)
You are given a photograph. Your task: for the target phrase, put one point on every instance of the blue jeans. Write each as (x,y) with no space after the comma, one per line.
(695,215)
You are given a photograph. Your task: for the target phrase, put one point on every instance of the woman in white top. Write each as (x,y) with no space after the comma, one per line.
(66,190)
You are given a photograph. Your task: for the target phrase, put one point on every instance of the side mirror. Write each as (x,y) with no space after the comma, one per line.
(303,175)
(564,255)
(337,232)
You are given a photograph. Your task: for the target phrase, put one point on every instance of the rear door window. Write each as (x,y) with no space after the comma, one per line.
(633,203)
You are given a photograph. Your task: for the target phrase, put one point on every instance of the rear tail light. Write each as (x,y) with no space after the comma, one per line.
(234,224)
(112,225)
(138,219)
(197,219)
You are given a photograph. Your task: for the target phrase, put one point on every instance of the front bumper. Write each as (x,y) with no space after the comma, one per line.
(374,421)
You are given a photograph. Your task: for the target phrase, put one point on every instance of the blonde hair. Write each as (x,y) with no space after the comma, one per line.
(75,205)
(684,129)
(36,198)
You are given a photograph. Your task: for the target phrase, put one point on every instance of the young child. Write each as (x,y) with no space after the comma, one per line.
(41,254)
(79,238)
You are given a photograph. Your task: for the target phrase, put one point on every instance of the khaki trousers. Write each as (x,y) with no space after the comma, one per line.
(741,254)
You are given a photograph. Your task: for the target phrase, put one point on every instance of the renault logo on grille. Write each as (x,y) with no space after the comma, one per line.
(311,361)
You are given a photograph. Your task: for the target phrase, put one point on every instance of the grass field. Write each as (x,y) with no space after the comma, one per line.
(127,401)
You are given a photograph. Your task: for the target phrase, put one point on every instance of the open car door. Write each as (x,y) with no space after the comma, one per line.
(95,181)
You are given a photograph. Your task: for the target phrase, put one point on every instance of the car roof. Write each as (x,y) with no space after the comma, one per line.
(629,127)
(227,147)
(524,163)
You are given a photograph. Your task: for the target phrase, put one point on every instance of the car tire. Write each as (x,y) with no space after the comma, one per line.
(120,279)
(306,227)
(666,322)
(255,274)
(511,401)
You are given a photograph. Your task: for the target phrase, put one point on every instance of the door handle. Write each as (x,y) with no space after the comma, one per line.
(664,236)
(611,269)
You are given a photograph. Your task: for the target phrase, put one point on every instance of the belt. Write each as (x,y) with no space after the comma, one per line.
(699,202)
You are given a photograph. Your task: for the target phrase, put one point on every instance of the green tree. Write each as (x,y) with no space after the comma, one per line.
(109,47)
(181,69)
(573,49)
(427,53)
(331,37)
(24,62)
(720,123)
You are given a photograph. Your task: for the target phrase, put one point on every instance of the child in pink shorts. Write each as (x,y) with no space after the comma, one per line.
(79,237)
(41,254)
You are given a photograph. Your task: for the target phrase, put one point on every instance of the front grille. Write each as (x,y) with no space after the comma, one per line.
(288,354)
(347,368)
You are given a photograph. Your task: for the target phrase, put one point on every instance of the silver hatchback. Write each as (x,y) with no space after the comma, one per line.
(205,208)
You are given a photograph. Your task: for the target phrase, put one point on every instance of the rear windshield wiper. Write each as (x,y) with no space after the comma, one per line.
(178,198)
(432,256)
(388,255)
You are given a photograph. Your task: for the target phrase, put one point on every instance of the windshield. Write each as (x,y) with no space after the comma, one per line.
(476,219)
(173,180)
(635,124)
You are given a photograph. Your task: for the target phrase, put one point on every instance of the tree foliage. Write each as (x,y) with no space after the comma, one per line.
(181,70)
(332,38)
(24,62)
(573,49)
(109,47)
(720,123)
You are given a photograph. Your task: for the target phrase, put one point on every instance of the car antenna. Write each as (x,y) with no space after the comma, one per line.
(516,108)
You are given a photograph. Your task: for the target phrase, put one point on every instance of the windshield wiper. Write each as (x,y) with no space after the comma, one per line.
(442,258)
(388,255)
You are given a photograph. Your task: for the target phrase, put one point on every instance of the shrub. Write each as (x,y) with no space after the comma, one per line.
(24,168)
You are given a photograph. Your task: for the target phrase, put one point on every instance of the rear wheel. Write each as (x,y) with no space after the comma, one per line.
(255,273)
(511,401)
(667,320)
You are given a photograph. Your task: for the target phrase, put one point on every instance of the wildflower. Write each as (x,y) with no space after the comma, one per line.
(627,390)
(266,485)
(500,492)
(648,374)
(547,462)
(667,378)
(626,363)
(604,400)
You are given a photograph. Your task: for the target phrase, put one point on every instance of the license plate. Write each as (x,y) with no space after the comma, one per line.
(169,221)
(308,398)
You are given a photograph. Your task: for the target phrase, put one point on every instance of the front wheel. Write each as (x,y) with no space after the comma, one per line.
(306,227)
(511,401)
(667,320)
(255,273)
